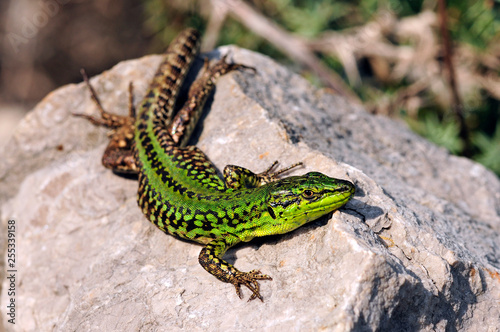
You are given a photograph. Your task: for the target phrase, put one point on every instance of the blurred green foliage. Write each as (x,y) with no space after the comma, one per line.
(471,22)
(444,132)
(474,22)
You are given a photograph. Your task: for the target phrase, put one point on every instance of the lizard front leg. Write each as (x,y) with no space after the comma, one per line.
(237,177)
(211,260)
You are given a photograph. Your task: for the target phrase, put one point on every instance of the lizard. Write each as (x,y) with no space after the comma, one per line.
(179,188)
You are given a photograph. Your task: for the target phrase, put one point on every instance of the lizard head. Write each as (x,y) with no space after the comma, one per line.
(297,200)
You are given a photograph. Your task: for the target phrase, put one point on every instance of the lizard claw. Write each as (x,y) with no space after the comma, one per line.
(249,279)
(269,175)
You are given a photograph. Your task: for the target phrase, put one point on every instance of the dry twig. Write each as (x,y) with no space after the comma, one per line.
(456,104)
(402,52)
(293,46)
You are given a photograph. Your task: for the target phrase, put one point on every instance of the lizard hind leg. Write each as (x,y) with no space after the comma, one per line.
(183,124)
(118,155)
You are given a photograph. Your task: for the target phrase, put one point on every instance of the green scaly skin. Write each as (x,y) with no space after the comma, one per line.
(181,193)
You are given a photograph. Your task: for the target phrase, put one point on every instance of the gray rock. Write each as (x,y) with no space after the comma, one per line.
(416,249)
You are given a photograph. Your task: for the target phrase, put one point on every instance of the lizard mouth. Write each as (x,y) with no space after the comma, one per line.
(338,203)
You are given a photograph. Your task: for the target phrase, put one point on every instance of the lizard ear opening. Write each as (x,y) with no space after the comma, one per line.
(271,212)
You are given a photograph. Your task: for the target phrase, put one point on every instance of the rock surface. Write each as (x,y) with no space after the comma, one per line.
(416,249)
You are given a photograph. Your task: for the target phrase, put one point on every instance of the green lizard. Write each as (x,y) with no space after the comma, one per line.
(179,189)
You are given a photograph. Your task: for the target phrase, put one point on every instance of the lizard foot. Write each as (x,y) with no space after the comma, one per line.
(269,175)
(249,279)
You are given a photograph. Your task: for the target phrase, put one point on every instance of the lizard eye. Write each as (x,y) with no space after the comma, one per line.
(308,193)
